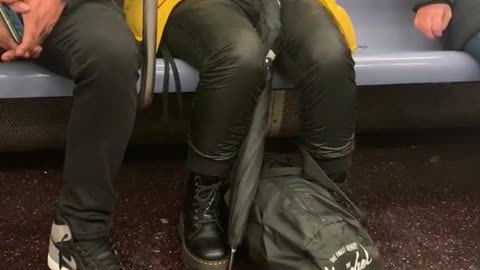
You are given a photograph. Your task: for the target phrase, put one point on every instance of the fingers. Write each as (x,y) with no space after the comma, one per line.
(9,56)
(8,2)
(430,25)
(437,26)
(22,52)
(28,48)
(36,52)
(28,43)
(447,16)
(424,24)
(19,7)
(33,36)
(433,19)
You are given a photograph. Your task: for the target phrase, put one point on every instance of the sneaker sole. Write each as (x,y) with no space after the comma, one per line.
(192,262)
(53,265)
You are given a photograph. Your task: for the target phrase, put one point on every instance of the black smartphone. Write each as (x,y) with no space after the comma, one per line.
(13,21)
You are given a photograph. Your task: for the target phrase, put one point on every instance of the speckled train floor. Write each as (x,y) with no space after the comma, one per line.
(422,198)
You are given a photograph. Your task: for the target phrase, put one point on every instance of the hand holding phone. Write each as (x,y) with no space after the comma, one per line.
(7,42)
(11,26)
(13,21)
(38,22)
(12,13)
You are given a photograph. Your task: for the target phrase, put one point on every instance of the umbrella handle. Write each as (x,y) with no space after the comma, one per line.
(269,64)
(232,257)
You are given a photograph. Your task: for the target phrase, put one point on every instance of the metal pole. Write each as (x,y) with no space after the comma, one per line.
(149,44)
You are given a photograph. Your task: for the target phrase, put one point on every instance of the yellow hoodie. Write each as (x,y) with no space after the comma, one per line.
(134,10)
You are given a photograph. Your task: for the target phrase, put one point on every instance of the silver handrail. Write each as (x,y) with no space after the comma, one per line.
(149,41)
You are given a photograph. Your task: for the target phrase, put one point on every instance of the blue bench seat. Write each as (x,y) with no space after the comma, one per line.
(390,52)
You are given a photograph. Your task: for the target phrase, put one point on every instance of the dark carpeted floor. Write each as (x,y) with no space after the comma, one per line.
(423,203)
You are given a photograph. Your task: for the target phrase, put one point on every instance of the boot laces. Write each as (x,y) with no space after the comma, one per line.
(206,201)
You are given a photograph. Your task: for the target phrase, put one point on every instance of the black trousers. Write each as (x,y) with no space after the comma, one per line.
(93,46)
(218,38)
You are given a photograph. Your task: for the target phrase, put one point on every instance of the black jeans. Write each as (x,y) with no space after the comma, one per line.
(92,45)
(218,38)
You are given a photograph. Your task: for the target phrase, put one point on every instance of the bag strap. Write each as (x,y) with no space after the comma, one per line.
(284,171)
(169,62)
(312,169)
(276,165)
(176,78)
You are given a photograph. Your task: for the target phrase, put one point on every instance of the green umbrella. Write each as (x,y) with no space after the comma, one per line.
(246,173)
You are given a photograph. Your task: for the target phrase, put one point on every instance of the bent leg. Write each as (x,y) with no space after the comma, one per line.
(218,39)
(316,58)
(93,46)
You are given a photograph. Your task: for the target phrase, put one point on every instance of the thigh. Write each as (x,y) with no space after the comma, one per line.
(94,33)
(199,29)
(473,47)
(313,40)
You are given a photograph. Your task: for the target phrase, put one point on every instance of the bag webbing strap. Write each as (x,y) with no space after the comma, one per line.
(315,173)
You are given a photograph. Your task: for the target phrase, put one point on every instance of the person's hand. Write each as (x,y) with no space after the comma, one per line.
(433,19)
(38,23)
(16,5)
(6,40)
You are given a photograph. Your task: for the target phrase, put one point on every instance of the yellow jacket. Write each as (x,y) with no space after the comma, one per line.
(134,10)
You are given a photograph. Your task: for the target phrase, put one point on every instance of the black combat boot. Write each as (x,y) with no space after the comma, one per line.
(204,245)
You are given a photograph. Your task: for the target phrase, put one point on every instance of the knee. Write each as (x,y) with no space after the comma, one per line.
(109,59)
(242,52)
(331,59)
(249,54)
(329,72)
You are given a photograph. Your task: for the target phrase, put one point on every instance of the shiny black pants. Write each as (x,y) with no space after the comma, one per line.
(218,38)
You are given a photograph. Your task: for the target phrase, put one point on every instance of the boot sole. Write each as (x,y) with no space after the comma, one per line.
(53,265)
(191,261)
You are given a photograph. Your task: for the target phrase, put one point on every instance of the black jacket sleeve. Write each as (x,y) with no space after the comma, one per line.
(422,3)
